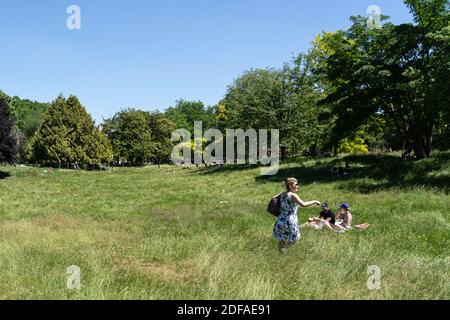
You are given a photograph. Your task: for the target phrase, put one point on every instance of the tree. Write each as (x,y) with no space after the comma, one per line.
(130,136)
(185,113)
(27,116)
(221,117)
(258,100)
(8,143)
(68,135)
(398,72)
(305,89)
(101,151)
(355,145)
(161,129)
(283,99)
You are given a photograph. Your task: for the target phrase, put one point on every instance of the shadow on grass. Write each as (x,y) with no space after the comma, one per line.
(224,169)
(436,183)
(317,174)
(368,173)
(376,172)
(4,175)
(238,168)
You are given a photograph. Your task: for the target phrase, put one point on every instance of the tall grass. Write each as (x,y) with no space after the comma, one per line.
(149,233)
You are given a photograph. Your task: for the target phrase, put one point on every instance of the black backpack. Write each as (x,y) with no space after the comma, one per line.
(274,206)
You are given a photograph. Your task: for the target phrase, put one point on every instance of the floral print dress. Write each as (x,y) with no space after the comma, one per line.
(286,227)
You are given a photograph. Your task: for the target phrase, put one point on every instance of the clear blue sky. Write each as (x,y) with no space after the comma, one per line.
(149,53)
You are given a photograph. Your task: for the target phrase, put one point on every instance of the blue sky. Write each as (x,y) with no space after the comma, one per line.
(149,53)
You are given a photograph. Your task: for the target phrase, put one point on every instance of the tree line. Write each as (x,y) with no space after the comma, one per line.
(63,133)
(354,90)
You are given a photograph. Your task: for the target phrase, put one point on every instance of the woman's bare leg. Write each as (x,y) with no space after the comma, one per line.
(283,246)
(339,227)
(328,226)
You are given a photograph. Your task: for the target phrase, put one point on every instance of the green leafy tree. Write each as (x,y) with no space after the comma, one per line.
(8,143)
(400,72)
(101,151)
(130,136)
(305,89)
(283,99)
(68,135)
(353,145)
(185,113)
(221,117)
(27,116)
(161,128)
(258,100)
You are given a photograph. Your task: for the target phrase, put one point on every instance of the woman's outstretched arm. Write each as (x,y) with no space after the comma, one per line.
(305,203)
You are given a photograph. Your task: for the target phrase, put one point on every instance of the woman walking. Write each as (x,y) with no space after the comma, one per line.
(287,229)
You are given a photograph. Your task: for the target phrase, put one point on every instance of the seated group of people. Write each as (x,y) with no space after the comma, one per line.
(341,171)
(327,219)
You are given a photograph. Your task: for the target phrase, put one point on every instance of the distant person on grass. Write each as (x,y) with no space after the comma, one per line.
(346,217)
(287,229)
(326,219)
(341,223)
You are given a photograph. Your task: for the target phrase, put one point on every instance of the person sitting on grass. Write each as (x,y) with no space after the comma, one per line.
(287,229)
(326,219)
(346,216)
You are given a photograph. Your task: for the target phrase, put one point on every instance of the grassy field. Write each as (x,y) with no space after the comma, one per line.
(149,233)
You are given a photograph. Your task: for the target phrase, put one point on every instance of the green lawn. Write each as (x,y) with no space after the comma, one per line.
(169,233)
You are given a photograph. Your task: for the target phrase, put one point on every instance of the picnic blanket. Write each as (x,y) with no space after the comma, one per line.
(319,226)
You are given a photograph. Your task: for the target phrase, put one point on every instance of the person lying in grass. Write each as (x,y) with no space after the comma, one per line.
(287,229)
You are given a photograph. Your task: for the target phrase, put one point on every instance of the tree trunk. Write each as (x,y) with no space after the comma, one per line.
(335,149)
(419,150)
(421,137)
(283,153)
(428,143)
